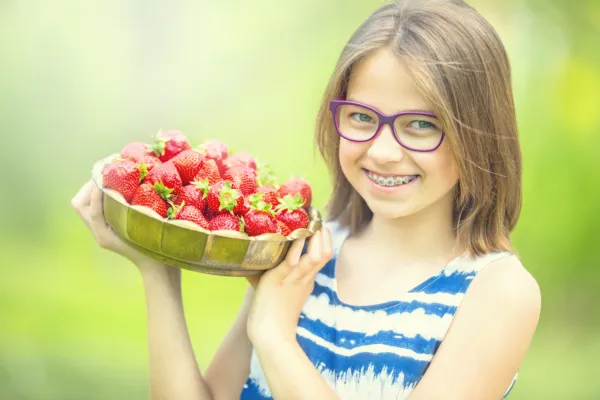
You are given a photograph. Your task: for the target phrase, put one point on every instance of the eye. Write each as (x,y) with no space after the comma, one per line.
(420,124)
(361,117)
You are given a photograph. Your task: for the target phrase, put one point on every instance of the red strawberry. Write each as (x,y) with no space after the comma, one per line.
(225,221)
(240,159)
(193,214)
(266,193)
(291,213)
(260,219)
(208,170)
(169,144)
(168,178)
(150,161)
(122,176)
(215,150)
(146,195)
(136,151)
(208,213)
(224,196)
(243,177)
(243,208)
(283,228)
(294,186)
(191,195)
(188,164)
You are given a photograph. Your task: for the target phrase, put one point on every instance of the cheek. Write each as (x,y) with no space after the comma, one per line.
(441,166)
(350,154)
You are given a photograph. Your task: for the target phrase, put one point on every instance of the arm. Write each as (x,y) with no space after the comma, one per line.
(174,373)
(290,374)
(230,367)
(488,338)
(273,320)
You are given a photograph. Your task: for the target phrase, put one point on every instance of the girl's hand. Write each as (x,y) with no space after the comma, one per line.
(280,293)
(88,203)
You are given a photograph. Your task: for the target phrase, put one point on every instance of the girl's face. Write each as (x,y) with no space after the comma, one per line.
(382,81)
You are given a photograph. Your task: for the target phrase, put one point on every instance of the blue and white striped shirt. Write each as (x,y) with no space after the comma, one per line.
(376,351)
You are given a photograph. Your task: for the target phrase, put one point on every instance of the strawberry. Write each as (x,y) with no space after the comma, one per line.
(208,213)
(224,196)
(191,213)
(150,161)
(208,170)
(225,221)
(294,186)
(169,144)
(122,176)
(266,193)
(243,208)
(188,164)
(283,228)
(146,195)
(191,195)
(168,179)
(217,151)
(240,159)
(291,213)
(260,219)
(243,177)
(136,151)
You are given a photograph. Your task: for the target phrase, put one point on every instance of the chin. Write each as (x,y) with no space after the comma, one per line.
(390,210)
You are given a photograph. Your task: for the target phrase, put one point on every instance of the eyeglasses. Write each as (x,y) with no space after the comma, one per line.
(413,130)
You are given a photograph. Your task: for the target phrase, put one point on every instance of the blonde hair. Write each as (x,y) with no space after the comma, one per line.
(460,65)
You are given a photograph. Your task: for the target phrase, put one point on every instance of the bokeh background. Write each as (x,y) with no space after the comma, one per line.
(79,79)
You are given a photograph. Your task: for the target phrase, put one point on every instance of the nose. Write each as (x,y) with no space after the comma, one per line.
(384,148)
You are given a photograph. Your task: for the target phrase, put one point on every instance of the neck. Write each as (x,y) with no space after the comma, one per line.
(424,236)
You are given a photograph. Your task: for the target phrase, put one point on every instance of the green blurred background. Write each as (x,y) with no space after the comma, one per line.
(79,79)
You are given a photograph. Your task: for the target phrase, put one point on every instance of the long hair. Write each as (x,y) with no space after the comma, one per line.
(461,67)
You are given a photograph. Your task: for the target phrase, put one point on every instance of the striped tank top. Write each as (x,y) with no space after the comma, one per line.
(376,351)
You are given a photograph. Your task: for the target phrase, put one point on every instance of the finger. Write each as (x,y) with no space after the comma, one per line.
(326,254)
(104,234)
(82,198)
(291,260)
(308,261)
(96,209)
(293,255)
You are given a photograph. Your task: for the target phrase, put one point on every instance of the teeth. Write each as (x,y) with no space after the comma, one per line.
(389,181)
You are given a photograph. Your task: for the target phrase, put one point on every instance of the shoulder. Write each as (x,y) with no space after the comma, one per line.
(489,335)
(504,285)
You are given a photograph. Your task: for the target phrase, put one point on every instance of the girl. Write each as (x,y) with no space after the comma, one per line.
(412,287)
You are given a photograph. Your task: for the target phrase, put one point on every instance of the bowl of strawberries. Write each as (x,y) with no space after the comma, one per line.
(203,208)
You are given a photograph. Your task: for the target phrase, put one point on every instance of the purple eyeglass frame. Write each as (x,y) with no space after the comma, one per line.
(383,119)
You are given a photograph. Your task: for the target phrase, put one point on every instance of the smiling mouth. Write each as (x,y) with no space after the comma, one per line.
(390,181)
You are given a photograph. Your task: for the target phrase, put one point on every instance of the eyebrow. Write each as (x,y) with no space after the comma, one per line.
(417,110)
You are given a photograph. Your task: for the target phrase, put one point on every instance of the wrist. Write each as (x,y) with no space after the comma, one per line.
(273,343)
(153,271)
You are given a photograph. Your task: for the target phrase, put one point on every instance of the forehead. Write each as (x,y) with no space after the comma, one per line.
(382,80)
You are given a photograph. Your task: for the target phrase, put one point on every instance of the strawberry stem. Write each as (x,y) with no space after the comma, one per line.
(290,203)
(162,190)
(143,168)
